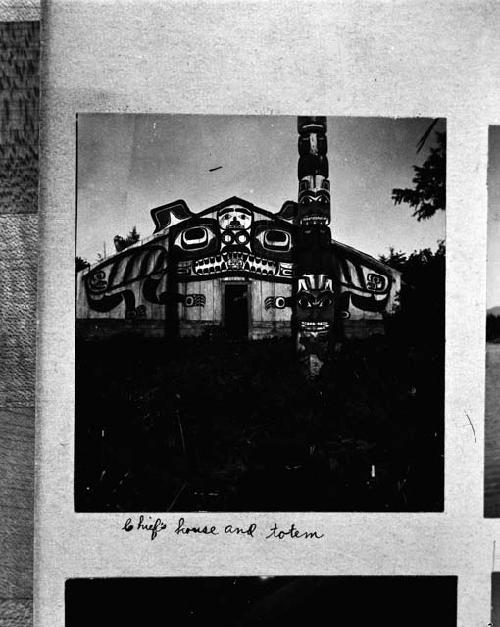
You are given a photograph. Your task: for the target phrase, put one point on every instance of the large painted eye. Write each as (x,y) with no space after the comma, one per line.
(276,239)
(272,240)
(194,238)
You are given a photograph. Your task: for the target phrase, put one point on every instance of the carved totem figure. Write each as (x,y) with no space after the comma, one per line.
(314,295)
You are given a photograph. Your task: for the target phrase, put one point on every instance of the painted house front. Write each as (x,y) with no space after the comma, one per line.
(239,270)
(229,269)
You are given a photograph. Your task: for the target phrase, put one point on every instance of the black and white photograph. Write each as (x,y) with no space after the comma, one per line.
(492,400)
(259,313)
(246,601)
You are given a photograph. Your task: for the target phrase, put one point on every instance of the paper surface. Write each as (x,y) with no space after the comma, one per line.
(403,59)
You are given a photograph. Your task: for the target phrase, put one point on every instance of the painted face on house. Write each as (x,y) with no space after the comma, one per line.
(235,223)
(233,241)
(235,218)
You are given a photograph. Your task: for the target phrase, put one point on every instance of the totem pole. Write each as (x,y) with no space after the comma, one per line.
(314,290)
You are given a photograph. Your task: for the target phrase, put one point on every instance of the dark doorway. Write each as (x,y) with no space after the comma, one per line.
(236,311)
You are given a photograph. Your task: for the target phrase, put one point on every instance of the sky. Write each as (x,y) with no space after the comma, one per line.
(130,163)
(493,271)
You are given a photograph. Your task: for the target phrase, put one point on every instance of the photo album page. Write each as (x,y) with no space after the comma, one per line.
(268,385)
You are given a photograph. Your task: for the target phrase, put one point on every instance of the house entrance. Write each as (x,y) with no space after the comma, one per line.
(236,310)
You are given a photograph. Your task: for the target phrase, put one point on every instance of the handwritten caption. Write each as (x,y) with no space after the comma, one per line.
(155,527)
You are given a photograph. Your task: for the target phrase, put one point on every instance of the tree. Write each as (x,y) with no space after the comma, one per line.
(429,194)
(421,315)
(396,260)
(124,242)
(81,263)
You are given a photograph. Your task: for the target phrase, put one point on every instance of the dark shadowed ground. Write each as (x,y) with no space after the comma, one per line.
(215,425)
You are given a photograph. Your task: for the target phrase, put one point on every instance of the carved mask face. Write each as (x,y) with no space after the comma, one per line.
(314,202)
(315,303)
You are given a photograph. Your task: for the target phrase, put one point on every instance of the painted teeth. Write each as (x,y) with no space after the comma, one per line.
(314,220)
(235,261)
(315,328)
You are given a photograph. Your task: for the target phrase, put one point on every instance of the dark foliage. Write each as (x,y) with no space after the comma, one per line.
(124,242)
(429,192)
(233,426)
(81,264)
(492,328)
(420,318)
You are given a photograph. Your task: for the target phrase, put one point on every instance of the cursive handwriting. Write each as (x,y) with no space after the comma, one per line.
(206,530)
(293,533)
(233,529)
(155,526)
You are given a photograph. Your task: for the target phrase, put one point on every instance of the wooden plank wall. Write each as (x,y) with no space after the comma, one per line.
(211,313)
(19,93)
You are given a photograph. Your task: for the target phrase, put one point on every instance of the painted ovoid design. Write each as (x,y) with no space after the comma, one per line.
(194,300)
(278,302)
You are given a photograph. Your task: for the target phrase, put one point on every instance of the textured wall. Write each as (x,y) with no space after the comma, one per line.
(19,92)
